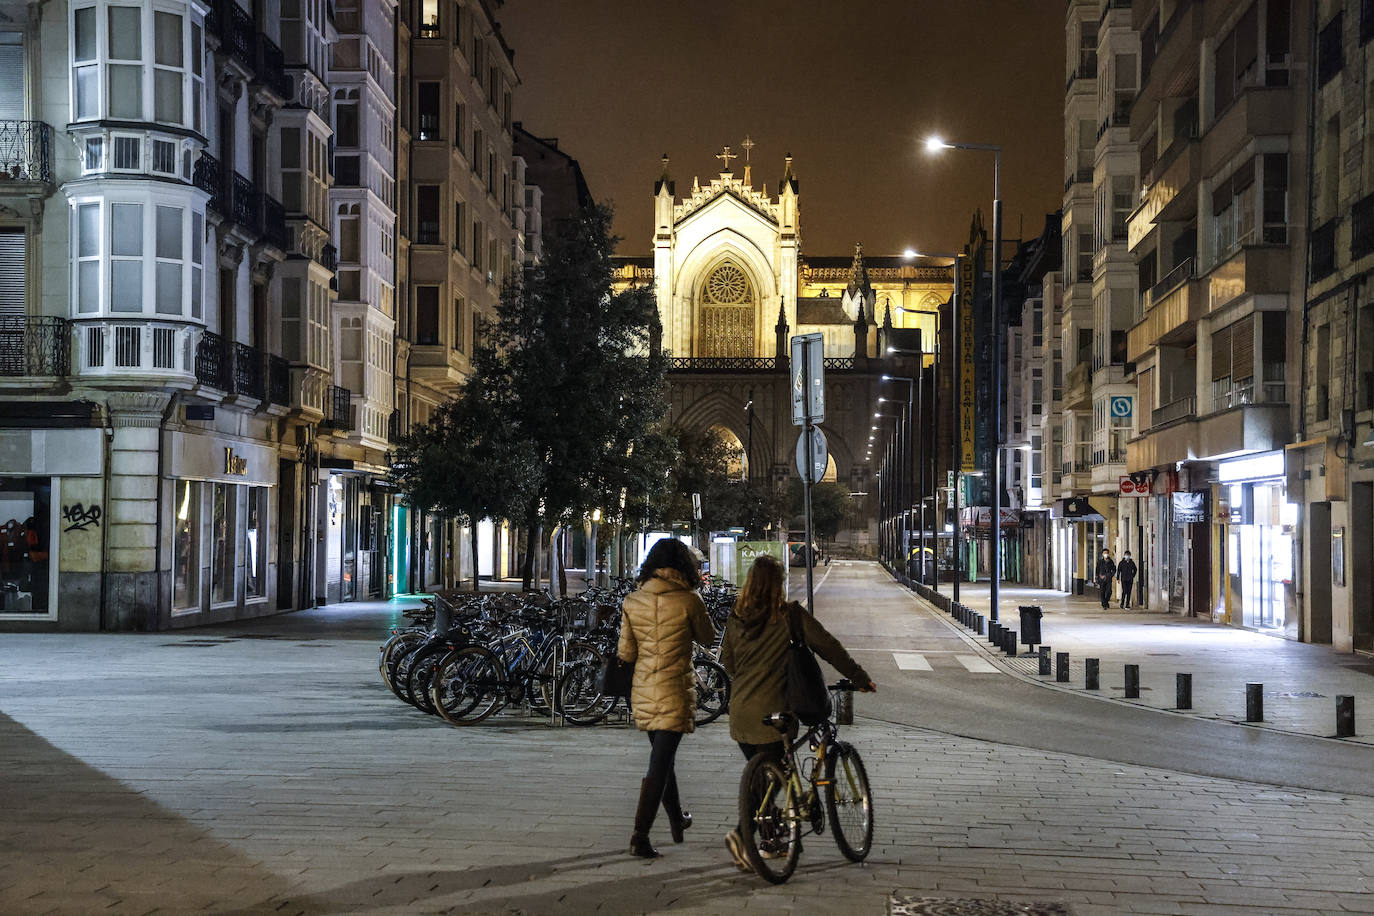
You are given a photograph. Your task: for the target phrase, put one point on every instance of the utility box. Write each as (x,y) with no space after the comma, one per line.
(1030,624)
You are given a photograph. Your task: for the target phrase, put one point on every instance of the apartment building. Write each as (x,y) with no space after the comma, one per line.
(1330,468)
(1100,190)
(1219,240)
(458,240)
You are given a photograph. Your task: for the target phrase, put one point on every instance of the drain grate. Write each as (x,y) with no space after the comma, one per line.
(899,905)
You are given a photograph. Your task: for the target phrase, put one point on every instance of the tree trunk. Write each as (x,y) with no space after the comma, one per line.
(472,534)
(531,533)
(562,569)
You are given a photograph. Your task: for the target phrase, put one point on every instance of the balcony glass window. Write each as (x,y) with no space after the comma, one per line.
(346,124)
(429,18)
(126,257)
(168,68)
(94,158)
(427,315)
(88,258)
(85,72)
(197,264)
(128,153)
(427,215)
(164,157)
(170,227)
(427,111)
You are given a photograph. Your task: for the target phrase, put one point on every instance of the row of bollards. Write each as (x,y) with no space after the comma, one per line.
(1183,689)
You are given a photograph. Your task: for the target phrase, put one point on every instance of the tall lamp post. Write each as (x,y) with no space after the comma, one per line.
(936,145)
(894,462)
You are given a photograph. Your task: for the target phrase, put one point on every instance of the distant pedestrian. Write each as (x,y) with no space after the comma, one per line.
(661,621)
(757,636)
(1104,574)
(1125,571)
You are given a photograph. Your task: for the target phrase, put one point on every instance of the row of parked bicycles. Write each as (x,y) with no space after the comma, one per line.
(466,658)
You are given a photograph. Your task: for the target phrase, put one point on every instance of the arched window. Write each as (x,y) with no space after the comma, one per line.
(728,306)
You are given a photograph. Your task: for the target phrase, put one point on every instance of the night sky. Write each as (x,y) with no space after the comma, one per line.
(848,87)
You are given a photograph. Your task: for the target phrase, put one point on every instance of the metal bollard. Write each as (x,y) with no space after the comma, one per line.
(1345,717)
(1254,702)
(1061,667)
(1132,682)
(992,632)
(1183,691)
(1044,660)
(1009,641)
(978,621)
(1091,678)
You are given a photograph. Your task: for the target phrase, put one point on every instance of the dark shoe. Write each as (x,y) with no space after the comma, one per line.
(676,825)
(641,847)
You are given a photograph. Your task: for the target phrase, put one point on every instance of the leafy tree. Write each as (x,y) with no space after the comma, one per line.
(586,389)
(466,462)
(707,463)
(831,507)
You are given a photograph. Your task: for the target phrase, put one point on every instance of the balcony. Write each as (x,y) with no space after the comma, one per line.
(242,200)
(25,153)
(395,428)
(270,66)
(248,371)
(273,227)
(329,258)
(1252,270)
(1170,60)
(1258,111)
(234,26)
(278,381)
(213,366)
(208,175)
(1168,190)
(1248,428)
(1172,309)
(1078,387)
(32,345)
(338,409)
(1172,412)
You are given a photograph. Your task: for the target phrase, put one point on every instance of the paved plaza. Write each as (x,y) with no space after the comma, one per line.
(263,768)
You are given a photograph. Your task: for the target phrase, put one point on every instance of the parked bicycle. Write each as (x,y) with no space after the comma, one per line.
(820,778)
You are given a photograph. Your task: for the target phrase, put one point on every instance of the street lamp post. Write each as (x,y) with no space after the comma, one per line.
(935,145)
(894,476)
(910,437)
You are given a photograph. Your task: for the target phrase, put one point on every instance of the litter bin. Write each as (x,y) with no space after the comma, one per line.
(1030,624)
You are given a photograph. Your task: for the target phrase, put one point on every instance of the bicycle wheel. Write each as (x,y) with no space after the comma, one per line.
(579,700)
(713,690)
(849,802)
(396,648)
(421,672)
(468,686)
(770,829)
(400,676)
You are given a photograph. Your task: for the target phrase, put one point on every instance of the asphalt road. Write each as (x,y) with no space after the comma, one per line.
(873,617)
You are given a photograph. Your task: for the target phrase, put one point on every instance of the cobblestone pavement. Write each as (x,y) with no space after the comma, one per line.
(1301,681)
(264,769)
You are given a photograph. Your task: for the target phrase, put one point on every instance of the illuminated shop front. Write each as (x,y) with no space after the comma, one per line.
(1257,528)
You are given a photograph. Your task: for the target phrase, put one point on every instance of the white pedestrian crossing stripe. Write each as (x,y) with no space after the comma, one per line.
(911,661)
(976,665)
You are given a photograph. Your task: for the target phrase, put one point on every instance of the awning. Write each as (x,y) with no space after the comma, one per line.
(1081,509)
(981,517)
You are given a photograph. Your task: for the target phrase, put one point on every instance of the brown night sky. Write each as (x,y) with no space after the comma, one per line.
(849,87)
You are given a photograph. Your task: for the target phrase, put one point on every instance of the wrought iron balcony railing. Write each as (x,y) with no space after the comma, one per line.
(278,381)
(338,408)
(271,67)
(274,222)
(243,200)
(208,175)
(34,345)
(746,363)
(248,371)
(25,151)
(237,32)
(394,427)
(329,258)
(212,362)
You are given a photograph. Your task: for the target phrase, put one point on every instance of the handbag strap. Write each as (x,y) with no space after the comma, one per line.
(794,627)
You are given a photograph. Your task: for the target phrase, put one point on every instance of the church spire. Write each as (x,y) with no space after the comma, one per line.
(783,345)
(664,181)
(747,145)
(858,272)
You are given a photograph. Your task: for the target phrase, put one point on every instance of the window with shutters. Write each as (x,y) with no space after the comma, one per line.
(427,315)
(12,76)
(1237,377)
(13,249)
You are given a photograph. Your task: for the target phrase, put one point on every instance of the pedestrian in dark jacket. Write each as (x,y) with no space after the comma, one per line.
(1125,571)
(1104,574)
(757,636)
(660,622)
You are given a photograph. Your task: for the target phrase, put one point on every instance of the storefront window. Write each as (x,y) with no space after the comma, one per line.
(255,581)
(224,534)
(186,545)
(25,539)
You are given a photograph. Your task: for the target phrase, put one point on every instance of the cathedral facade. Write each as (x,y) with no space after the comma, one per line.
(734,284)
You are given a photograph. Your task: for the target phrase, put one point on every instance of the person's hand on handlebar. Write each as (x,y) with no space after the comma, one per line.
(871,688)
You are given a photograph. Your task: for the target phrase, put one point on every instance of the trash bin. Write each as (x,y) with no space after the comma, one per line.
(1030,624)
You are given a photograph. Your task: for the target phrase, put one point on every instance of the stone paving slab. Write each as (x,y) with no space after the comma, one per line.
(251,776)
(1301,681)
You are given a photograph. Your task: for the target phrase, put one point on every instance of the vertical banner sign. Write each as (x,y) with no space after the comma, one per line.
(967,407)
(808,379)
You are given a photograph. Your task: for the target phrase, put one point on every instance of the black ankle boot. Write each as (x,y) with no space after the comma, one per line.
(676,825)
(640,846)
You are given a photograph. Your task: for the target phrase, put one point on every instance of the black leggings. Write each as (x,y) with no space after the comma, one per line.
(660,782)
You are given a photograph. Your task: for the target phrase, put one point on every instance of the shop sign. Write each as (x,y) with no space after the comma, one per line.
(1134,485)
(1252,467)
(967,406)
(234,464)
(1190,507)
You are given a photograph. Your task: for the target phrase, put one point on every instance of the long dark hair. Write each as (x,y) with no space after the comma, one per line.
(670,553)
(761,598)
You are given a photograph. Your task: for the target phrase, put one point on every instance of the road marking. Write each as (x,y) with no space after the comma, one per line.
(911,661)
(976,665)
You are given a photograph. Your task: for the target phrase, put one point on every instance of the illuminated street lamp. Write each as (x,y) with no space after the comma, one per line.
(936,145)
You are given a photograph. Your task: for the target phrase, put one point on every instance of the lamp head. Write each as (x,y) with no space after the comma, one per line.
(910,253)
(935,144)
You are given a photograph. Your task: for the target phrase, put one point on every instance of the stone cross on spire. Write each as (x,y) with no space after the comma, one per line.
(726,155)
(747,145)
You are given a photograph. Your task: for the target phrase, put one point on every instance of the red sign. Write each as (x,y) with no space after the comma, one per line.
(1128,487)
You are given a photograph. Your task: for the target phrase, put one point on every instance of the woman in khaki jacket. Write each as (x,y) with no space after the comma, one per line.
(757,636)
(661,621)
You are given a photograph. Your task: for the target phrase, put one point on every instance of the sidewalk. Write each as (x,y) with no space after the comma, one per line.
(1301,681)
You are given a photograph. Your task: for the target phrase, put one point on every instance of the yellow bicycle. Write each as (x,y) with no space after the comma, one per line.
(819,778)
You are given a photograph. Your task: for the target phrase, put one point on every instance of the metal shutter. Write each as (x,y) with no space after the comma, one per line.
(12,245)
(1243,348)
(1221,354)
(11,77)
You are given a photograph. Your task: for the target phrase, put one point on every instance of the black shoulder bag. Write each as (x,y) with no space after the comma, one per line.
(615,676)
(804,692)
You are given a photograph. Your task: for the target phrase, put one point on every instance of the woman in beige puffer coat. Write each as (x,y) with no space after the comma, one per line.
(661,621)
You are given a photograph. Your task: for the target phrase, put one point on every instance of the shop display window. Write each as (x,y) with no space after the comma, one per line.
(255,581)
(186,545)
(223,541)
(25,544)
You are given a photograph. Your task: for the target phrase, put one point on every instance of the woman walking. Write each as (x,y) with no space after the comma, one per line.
(662,619)
(757,636)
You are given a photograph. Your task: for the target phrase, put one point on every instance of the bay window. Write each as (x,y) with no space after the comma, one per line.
(140,62)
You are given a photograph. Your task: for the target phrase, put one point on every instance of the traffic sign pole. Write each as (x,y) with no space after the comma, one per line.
(806,487)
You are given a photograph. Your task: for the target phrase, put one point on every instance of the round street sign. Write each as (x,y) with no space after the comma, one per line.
(820,456)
